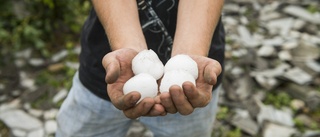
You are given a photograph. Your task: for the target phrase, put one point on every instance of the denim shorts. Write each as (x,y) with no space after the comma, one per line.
(83,114)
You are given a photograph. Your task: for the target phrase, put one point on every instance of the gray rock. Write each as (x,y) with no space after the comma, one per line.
(243,121)
(36,62)
(314,65)
(37,133)
(15,104)
(50,114)
(73,65)
(274,130)
(3,98)
(60,95)
(298,24)
(2,86)
(285,55)
(269,113)
(290,45)
(24,53)
(266,51)
(35,112)
(298,76)
(59,56)
(301,13)
(18,133)
(50,126)
(246,37)
(306,121)
(297,104)
(269,16)
(19,62)
(283,25)
(276,41)
(18,119)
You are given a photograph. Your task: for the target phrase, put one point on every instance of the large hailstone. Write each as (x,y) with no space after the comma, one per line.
(147,61)
(143,83)
(182,62)
(175,77)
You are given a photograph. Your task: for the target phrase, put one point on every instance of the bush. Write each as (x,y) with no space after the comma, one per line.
(44,25)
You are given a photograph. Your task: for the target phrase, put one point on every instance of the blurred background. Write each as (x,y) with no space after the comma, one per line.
(271,84)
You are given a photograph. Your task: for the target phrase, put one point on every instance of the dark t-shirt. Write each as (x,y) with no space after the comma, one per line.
(95,45)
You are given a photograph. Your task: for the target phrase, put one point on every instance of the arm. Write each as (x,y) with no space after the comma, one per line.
(120,20)
(195,27)
(121,23)
(196,23)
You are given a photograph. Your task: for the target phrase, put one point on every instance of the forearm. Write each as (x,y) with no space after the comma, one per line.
(196,23)
(120,20)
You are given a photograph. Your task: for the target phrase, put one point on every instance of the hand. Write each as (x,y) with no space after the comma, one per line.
(118,70)
(184,100)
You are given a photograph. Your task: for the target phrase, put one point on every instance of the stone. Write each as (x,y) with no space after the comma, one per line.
(37,133)
(283,25)
(290,45)
(266,51)
(269,113)
(269,16)
(239,53)
(314,65)
(285,55)
(18,119)
(14,104)
(305,120)
(59,56)
(15,93)
(56,67)
(77,50)
(19,62)
(246,37)
(276,41)
(243,121)
(50,126)
(24,53)
(244,20)
(36,62)
(18,133)
(2,86)
(60,95)
(274,130)
(73,65)
(50,114)
(230,21)
(267,82)
(298,76)
(301,13)
(297,104)
(298,24)
(35,112)
(3,98)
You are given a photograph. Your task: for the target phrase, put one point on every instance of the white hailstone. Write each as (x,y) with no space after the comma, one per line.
(147,61)
(143,83)
(175,77)
(182,62)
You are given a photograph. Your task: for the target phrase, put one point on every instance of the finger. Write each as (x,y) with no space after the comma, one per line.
(211,72)
(167,103)
(195,97)
(180,100)
(124,102)
(141,109)
(157,110)
(112,67)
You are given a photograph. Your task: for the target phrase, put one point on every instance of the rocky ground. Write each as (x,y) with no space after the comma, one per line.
(271,84)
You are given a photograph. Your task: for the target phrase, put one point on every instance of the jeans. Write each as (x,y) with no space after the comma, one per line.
(83,114)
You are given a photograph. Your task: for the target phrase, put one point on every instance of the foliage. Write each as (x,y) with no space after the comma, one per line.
(278,99)
(44,25)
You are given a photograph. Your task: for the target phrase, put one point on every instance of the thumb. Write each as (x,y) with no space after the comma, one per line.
(211,71)
(112,67)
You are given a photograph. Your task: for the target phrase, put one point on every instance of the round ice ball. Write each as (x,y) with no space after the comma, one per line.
(143,83)
(182,62)
(175,77)
(147,61)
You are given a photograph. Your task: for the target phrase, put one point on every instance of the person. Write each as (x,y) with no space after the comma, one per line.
(115,31)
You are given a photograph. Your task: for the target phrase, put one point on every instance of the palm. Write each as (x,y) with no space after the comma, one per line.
(118,72)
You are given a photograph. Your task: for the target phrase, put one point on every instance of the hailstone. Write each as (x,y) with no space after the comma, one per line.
(182,62)
(147,61)
(143,83)
(175,77)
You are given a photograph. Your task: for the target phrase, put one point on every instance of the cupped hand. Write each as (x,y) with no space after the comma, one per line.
(184,100)
(118,70)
